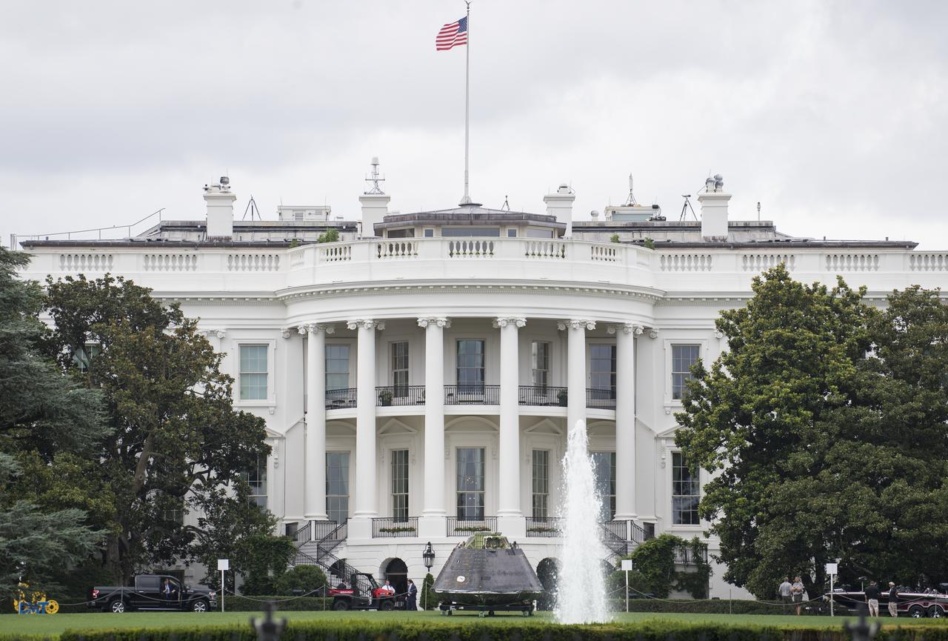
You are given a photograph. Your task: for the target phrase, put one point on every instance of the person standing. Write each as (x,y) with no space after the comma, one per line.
(784,592)
(893,600)
(872,598)
(412,603)
(796,591)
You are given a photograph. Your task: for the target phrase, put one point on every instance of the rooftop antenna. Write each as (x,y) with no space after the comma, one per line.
(758,211)
(375,178)
(252,209)
(506,205)
(630,201)
(685,207)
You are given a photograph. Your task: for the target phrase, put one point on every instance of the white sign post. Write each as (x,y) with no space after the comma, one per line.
(223,565)
(832,569)
(626,566)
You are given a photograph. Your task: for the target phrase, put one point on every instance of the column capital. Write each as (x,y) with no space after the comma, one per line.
(315,328)
(626,328)
(503,321)
(653,332)
(366,323)
(217,333)
(575,324)
(435,321)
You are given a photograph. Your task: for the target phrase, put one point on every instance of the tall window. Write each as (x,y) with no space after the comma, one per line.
(683,357)
(541,484)
(541,365)
(604,468)
(470,483)
(400,485)
(400,368)
(337,367)
(686,492)
(257,478)
(337,486)
(470,366)
(84,354)
(253,372)
(602,370)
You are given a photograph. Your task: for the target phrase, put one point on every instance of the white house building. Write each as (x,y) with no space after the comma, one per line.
(417,377)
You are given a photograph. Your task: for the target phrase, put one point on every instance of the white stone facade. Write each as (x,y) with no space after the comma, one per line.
(408,356)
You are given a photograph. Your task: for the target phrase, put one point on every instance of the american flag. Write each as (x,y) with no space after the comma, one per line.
(452,35)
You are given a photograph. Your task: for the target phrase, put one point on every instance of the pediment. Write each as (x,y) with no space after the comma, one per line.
(544,426)
(395,427)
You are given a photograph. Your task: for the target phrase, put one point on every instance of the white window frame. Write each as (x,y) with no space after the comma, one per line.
(671,494)
(271,373)
(703,353)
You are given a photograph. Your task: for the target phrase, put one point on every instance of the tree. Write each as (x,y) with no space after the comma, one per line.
(656,572)
(772,419)
(46,420)
(175,434)
(308,580)
(429,598)
(825,428)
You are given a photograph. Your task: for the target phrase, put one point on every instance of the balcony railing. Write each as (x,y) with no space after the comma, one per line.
(686,556)
(400,395)
(408,395)
(467,527)
(546,527)
(542,395)
(601,398)
(395,527)
(472,394)
(340,398)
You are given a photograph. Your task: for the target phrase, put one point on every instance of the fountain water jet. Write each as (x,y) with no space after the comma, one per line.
(581,589)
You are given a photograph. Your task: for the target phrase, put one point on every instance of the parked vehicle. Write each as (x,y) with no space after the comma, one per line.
(913,604)
(149,592)
(364,593)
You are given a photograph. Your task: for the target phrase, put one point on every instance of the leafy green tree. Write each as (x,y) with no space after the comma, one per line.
(656,568)
(825,428)
(46,420)
(773,419)
(175,432)
(227,518)
(262,559)
(37,545)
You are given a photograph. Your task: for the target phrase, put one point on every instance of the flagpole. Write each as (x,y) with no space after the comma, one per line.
(466,200)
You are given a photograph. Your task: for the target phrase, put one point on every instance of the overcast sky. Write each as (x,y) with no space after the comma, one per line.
(830,114)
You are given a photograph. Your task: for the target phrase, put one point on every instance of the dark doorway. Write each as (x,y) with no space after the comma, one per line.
(397,573)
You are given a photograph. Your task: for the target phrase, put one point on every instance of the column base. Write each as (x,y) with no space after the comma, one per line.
(432,527)
(513,526)
(360,527)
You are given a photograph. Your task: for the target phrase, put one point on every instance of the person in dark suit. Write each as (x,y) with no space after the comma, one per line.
(412,602)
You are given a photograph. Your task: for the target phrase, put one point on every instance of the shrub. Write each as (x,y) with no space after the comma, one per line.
(308,579)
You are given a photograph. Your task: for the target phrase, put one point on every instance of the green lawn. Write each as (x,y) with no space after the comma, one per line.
(53,625)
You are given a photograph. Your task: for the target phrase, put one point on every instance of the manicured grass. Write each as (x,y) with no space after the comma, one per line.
(52,626)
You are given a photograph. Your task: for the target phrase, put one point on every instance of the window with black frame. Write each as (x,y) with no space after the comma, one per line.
(470,367)
(400,485)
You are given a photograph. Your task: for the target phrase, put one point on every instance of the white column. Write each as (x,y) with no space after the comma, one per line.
(625,420)
(314,489)
(433,521)
(510,519)
(366,503)
(576,369)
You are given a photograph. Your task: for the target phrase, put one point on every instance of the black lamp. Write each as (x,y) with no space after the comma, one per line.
(428,555)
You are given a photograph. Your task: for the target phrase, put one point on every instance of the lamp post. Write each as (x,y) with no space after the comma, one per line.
(428,555)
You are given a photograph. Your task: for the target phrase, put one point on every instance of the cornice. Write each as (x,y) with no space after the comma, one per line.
(647,295)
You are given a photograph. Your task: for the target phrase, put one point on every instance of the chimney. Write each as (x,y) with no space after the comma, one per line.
(713,203)
(220,209)
(560,205)
(374,202)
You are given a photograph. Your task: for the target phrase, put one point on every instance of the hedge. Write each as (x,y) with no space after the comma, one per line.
(523,631)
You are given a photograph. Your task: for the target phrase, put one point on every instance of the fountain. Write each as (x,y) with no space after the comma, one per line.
(581,591)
